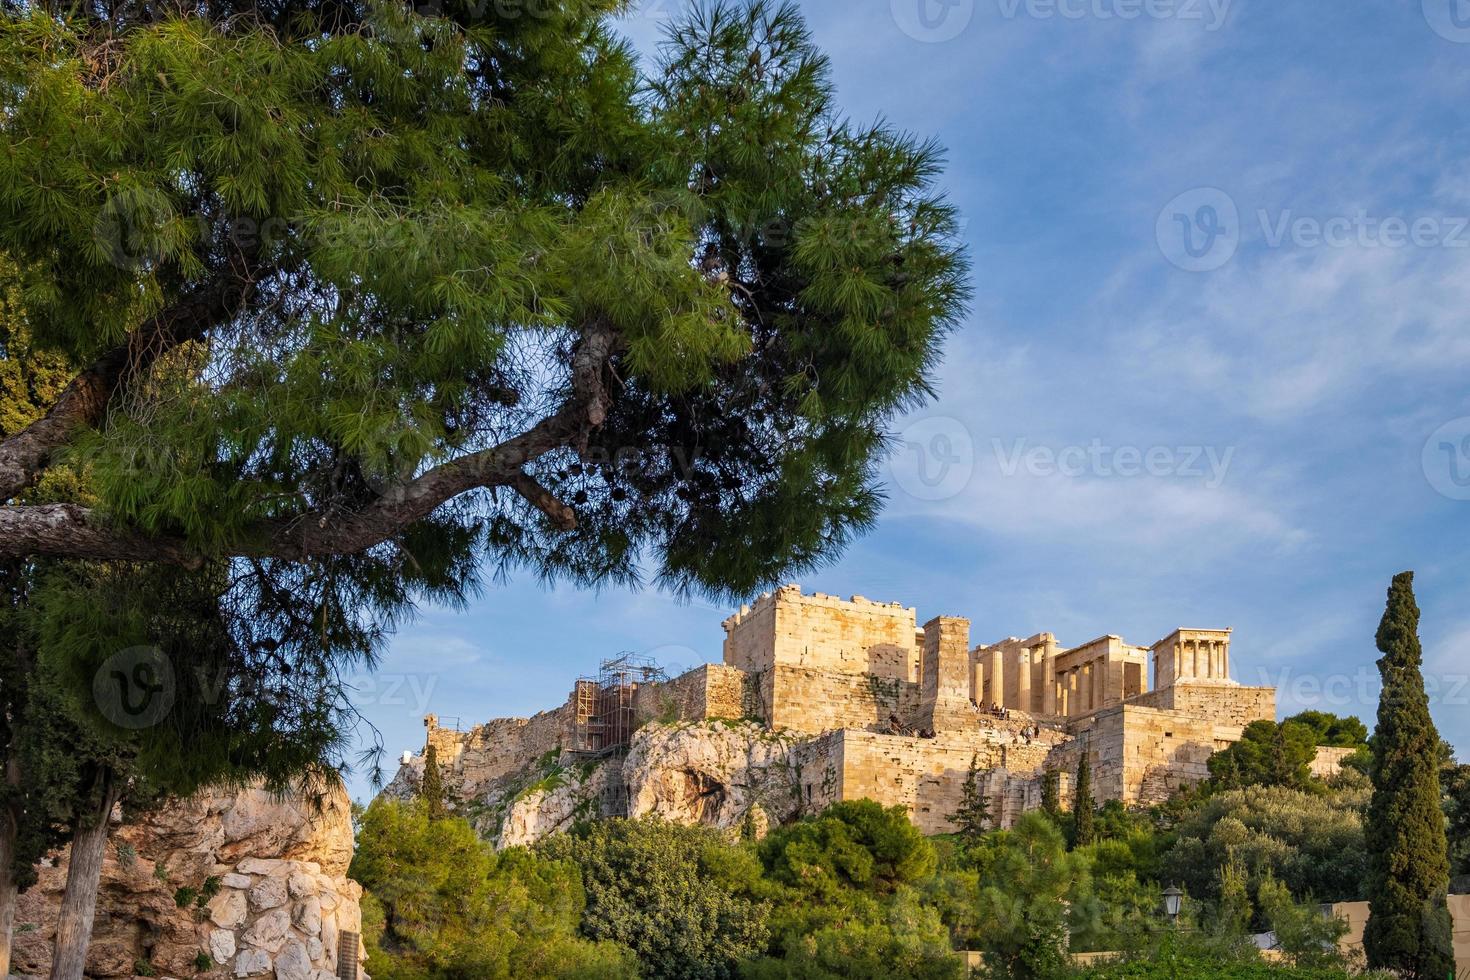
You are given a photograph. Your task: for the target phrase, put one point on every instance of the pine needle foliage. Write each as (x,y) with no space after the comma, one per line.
(972,818)
(1409,928)
(419,216)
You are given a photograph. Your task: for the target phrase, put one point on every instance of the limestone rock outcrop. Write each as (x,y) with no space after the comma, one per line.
(716,773)
(229,884)
(713,773)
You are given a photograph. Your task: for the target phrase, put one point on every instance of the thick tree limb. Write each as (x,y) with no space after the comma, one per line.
(25,455)
(64,530)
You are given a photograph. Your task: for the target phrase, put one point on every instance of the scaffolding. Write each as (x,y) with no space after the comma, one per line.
(605,717)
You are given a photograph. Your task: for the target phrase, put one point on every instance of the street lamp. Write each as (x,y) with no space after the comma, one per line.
(1173,899)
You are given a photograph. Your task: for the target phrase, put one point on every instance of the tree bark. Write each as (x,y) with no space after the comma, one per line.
(8,891)
(26,455)
(83,879)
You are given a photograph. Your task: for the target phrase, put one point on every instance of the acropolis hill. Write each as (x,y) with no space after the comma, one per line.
(821,699)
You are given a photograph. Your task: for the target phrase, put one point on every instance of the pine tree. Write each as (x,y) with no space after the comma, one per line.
(427,286)
(1409,928)
(431,791)
(973,816)
(1084,806)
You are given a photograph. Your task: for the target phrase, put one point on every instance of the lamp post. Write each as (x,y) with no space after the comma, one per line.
(1173,900)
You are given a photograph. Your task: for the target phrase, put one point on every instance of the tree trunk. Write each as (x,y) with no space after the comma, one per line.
(8,893)
(83,878)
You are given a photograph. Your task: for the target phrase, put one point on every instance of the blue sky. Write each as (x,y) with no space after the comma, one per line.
(1214,372)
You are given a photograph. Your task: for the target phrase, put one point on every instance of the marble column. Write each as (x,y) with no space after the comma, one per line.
(1023,681)
(1048,682)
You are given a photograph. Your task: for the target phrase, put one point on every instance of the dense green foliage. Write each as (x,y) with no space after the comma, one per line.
(388,234)
(1334,730)
(681,898)
(1268,754)
(856,893)
(1033,895)
(1409,929)
(431,790)
(842,889)
(442,905)
(1311,842)
(1456,785)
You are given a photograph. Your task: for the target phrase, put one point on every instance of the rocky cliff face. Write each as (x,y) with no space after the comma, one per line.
(715,773)
(239,884)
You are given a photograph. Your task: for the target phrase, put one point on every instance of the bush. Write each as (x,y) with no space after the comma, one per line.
(911,943)
(441,905)
(1311,842)
(684,899)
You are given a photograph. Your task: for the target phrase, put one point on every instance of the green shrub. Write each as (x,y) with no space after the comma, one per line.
(682,898)
(442,905)
(1311,842)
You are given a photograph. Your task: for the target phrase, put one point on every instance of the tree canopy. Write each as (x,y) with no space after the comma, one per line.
(387,291)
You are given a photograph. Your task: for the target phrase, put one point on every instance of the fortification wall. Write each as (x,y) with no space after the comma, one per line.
(927,775)
(823,632)
(1143,755)
(1225,704)
(818,764)
(804,699)
(471,762)
(704,693)
(1328,761)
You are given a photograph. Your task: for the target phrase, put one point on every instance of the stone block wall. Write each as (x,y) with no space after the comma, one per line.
(822,632)
(1224,703)
(927,775)
(1329,760)
(945,685)
(810,700)
(277,868)
(818,764)
(704,693)
(1355,914)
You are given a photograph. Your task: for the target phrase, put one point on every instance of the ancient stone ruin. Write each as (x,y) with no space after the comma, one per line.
(821,699)
(225,884)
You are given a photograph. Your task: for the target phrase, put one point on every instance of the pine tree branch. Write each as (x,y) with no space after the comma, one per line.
(70,531)
(25,456)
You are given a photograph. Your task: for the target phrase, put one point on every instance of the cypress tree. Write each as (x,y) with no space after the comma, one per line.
(973,817)
(432,789)
(1084,807)
(1051,794)
(1409,928)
